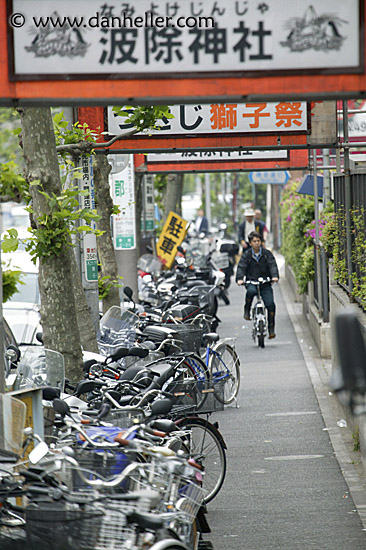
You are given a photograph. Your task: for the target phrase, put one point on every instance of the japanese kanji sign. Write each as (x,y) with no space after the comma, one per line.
(148,217)
(216,161)
(175,51)
(123,194)
(215,156)
(75,38)
(271,178)
(225,118)
(89,240)
(171,237)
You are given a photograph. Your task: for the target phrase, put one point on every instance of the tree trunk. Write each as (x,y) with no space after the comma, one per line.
(173,194)
(104,206)
(180,184)
(58,313)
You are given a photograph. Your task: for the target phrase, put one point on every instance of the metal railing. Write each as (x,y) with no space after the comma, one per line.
(349,232)
(321,283)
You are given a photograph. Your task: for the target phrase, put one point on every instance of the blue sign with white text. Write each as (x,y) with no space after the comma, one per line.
(279,177)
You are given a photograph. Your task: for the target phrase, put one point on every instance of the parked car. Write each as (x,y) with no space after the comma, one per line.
(22,310)
(19,217)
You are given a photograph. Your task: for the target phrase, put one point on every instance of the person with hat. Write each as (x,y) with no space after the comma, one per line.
(247,226)
(258,263)
(258,217)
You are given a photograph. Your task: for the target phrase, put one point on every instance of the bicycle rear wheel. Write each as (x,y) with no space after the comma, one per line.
(224,367)
(207,447)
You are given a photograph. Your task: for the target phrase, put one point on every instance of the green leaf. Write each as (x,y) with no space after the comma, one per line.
(58,117)
(82,228)
(10,241)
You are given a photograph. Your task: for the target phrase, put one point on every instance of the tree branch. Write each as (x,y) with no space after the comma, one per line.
(16,197)
(87,146)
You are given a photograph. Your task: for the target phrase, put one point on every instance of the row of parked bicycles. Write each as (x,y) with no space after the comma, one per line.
(129,457)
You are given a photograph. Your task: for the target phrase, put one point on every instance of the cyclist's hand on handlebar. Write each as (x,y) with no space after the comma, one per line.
(274,279)
(240,282)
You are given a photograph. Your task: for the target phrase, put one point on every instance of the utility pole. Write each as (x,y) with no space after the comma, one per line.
(235,198)
(326,178)
(208,198)
(124,223)
(317,239)
(87,250)
(348,194)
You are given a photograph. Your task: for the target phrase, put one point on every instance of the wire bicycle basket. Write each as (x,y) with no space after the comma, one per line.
(60,525)
(199,396)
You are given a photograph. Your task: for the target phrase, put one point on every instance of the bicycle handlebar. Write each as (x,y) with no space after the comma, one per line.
(99,483)
(260,281)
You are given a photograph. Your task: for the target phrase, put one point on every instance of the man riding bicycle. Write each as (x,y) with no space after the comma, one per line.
(258,262)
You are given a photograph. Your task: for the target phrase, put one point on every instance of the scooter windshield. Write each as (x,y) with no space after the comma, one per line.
(40,367)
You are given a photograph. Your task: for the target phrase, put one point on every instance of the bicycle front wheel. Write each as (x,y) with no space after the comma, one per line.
(206,446)
(224,366)
(261,333)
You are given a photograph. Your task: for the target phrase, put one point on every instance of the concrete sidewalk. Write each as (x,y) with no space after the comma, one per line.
(342,439)
(293,478)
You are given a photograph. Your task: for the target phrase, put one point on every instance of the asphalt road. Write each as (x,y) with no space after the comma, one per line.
(284,487)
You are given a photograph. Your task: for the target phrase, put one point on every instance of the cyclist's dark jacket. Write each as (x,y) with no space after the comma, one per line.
(249,268)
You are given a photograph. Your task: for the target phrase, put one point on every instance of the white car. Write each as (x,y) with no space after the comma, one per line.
(19,217)
(21,311)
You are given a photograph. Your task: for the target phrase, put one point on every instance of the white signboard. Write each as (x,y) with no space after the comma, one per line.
(356,121)
(148,218)
(86,200)
(208,156)
(123,194)
(138,38)
(225,118)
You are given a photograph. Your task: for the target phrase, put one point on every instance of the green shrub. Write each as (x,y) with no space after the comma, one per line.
(307,270)
(297,212)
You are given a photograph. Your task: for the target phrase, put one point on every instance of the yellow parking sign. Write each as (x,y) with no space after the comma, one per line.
(171,237)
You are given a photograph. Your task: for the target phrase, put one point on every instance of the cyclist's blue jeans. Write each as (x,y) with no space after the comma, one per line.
(266,293)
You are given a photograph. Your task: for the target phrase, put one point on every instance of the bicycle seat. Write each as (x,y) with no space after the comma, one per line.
(210,337)
(164,425)
(146,520)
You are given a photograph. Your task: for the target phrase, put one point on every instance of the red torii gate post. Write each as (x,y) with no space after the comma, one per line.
(127,258)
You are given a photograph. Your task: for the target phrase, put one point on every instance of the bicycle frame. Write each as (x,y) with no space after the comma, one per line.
(259,313)
(220,375)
